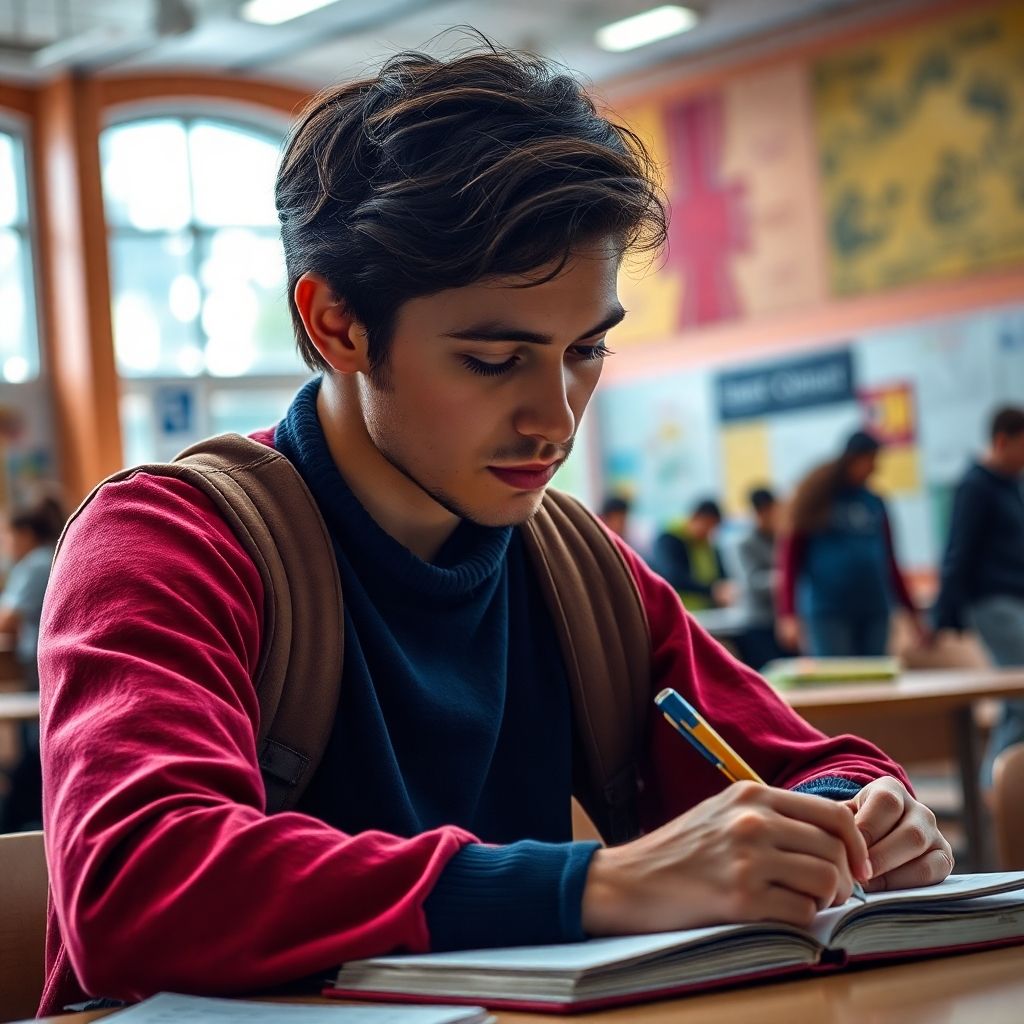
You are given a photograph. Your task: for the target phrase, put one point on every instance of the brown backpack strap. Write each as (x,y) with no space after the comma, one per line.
(605,641)
(298,681)
(269,508)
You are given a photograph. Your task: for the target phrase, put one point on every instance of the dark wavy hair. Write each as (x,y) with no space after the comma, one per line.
(434,174)
(815,495)
(44,520)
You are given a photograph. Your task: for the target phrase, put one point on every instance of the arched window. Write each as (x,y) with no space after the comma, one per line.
(203,337)
(19,343)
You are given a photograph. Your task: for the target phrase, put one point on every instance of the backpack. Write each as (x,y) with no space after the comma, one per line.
(595,605)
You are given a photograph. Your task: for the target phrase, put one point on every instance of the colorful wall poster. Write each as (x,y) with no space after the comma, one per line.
(928,389)
(921,136)
(745,229)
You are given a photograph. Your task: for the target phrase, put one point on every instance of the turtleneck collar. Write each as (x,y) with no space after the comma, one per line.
(467,559)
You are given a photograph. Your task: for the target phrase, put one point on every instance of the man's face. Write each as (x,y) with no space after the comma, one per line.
(1009,449)
(703,527)
(862,468)
(485,385)
(768,517)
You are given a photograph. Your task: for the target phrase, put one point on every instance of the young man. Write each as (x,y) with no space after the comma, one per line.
(983,568)
(686,556)
(453,233)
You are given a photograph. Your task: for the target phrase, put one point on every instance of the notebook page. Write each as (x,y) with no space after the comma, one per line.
(955,887)
(569,957)
(170,1008)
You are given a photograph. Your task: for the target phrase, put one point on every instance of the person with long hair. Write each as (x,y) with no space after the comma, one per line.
(839,571)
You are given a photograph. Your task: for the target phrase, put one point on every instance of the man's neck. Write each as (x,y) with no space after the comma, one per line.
(400,507)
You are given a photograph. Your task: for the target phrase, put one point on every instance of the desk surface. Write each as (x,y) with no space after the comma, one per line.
(985,987)
(911,693)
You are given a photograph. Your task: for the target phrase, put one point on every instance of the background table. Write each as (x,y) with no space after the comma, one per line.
(19,707)
(987,988)
(920,715)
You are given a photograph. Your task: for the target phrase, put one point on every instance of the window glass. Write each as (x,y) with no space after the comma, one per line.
(246,410)
(197,271)
(156,305)
(245,313)
(18,350)
(10,190)
(19,344)
(146,175)
(233,175)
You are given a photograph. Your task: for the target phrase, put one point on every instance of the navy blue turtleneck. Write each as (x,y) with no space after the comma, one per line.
(454,711)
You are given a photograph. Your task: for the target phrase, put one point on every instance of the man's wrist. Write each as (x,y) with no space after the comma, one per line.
(604,894)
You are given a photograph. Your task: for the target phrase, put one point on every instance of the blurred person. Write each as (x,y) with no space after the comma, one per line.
(758,562)
(686,555)
(32,535)
(615,514)
(982,583)
(839,575)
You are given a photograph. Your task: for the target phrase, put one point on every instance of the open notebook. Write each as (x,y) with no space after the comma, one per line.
(964,912)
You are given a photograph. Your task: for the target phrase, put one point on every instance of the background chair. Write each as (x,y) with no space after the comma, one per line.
(1008,806)
(23,884)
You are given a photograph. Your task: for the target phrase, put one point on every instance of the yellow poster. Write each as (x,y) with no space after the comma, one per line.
(899,471)
(746,463)
(921,137)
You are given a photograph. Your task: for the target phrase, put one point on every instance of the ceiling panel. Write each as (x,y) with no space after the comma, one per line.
(351,37)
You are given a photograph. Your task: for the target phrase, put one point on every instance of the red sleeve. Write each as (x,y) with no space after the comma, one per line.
(781,747)
(899,584)
(793,548)
(166,873)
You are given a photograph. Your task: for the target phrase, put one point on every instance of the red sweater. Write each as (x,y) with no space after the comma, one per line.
(165,871)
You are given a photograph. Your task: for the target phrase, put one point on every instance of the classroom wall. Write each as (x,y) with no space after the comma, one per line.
(926,388)
(858,204)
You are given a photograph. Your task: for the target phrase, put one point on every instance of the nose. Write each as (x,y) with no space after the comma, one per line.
(546,412)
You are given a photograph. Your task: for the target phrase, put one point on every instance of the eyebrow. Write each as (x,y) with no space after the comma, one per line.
(495,330)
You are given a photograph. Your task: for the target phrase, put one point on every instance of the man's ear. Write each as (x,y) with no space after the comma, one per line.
(337,335)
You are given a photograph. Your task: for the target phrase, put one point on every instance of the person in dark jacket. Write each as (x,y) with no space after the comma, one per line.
(983,567)
(686,556)
(839,571)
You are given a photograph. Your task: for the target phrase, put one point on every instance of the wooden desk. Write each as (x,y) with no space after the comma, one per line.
(908,716)
(986,987)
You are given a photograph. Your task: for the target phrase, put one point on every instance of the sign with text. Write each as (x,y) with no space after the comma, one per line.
(794,384)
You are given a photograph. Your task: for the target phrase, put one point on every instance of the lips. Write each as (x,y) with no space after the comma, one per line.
(525,478)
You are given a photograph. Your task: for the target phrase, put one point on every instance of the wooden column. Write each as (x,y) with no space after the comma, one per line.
(77,332)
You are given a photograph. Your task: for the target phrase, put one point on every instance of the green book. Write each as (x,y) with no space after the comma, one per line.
(787,672)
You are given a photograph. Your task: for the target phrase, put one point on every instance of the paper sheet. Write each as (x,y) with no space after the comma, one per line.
(169,1008)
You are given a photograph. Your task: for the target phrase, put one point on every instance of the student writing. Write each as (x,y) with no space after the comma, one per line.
(453,232)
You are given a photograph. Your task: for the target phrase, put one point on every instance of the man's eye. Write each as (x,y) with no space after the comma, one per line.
(589,352)
(489,369)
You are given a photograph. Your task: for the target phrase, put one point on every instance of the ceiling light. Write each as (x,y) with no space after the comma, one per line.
(274,12)
(648,27)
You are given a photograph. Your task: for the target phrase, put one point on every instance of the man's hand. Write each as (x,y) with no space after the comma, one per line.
(789,632)
(904,843)
(751,853)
